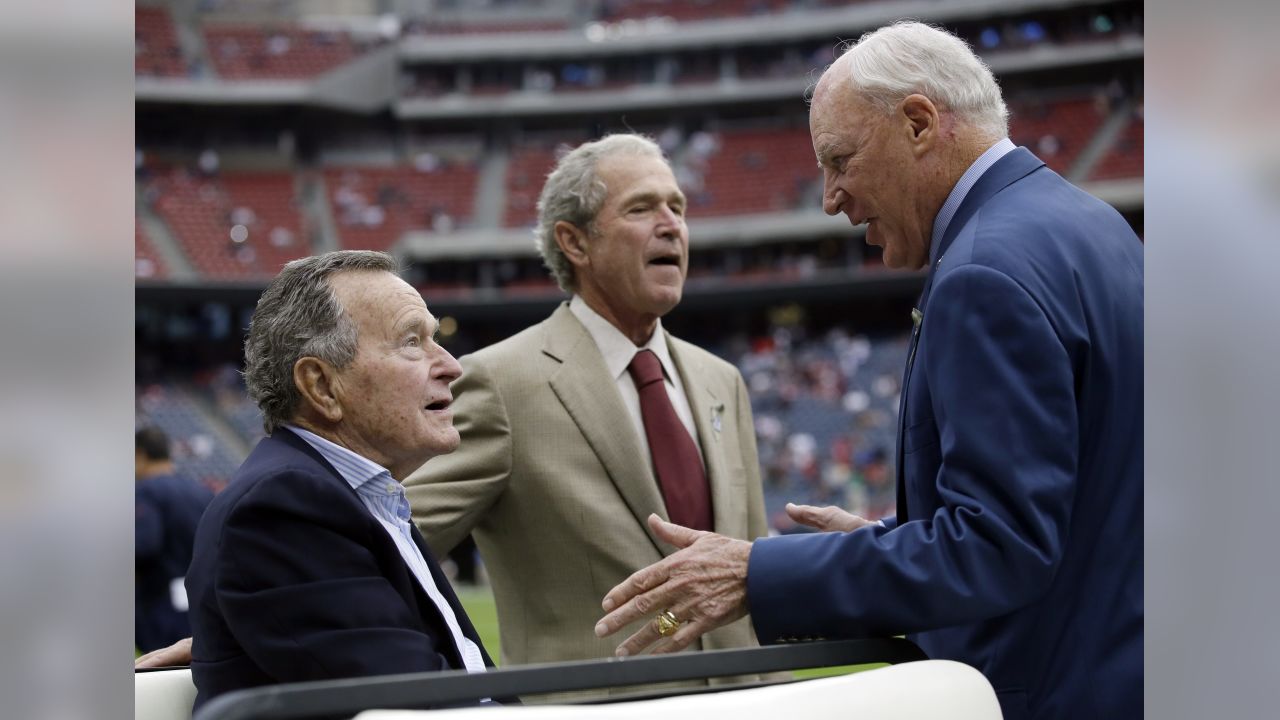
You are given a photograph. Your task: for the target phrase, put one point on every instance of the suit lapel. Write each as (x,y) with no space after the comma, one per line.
(431,615)
(708,418)
(591,398)
(1015,165)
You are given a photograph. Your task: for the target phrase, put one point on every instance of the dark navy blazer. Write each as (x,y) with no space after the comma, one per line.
(294,580)
(1019,549)
(167,509)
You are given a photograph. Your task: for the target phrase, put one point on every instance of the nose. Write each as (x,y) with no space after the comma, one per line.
(670,223)
(446,367)
(833,197)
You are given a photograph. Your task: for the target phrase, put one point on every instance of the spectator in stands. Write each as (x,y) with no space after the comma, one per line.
(167,507)
(306,566)
(1019,511)
(564,453)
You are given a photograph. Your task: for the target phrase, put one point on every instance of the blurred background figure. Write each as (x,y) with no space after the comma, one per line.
(167,506)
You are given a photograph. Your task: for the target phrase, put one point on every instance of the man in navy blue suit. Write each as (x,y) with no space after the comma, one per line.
(1017,545)
(307,566)
(167,507)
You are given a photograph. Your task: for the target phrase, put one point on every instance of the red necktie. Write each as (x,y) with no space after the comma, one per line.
(675,458)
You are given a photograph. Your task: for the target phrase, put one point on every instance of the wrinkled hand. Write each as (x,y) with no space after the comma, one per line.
(177,654)
(826,519)
(704,584)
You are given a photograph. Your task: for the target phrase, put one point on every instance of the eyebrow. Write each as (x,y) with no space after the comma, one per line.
(651,196)
(824,154)
(414,323)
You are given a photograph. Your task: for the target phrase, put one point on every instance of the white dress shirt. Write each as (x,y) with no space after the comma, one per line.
(618,350)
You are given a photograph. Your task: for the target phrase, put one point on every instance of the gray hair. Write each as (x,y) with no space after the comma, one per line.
(300,316)
(575,193)
(908,57)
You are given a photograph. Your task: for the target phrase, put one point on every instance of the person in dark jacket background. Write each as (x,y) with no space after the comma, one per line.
(167,508)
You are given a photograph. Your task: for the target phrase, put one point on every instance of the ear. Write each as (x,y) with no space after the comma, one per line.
(922,122)
(318,383)
(573,243)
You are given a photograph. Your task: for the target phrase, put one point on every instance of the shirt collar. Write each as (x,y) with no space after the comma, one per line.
(356,469)
(962,188)
(617,348)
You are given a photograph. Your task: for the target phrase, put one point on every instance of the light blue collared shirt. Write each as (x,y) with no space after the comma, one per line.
(386,501)
(961,190)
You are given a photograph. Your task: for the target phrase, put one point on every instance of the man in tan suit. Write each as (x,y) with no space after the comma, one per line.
(554,475)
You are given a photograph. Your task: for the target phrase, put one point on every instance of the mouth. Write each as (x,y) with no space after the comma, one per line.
(439,405)
(671,259)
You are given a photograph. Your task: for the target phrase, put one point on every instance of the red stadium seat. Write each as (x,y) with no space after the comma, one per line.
(156,52)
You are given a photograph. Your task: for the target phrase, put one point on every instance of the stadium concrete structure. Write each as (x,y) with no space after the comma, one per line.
(272,130)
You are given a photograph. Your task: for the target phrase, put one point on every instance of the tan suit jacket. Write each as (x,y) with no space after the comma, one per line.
(551,480)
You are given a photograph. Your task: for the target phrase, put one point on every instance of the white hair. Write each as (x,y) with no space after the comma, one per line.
(909,57)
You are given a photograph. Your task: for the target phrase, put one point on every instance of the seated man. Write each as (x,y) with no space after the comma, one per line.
(307,566)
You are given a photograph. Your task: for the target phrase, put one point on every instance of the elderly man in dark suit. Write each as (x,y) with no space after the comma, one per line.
(307,566)
(1017,545)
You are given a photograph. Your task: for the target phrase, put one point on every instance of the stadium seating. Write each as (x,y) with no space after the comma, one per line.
(488,27)
(374,206)
(689,10)
(754,171)
(1055,130)
(1125,158)
(156,52)
(203,211)
(241,52)
(146,262)
(199,450)
(526,171)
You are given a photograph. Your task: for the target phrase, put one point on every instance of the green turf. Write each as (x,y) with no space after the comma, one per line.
(478,602)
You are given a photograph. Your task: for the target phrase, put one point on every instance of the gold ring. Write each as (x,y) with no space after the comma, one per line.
(667,623)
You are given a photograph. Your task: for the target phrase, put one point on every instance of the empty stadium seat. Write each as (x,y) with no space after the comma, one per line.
(156,52)
(201,212)
(1125,158)
(243,52)
(374,206)
(1055,130)
(526,171)
(755,171)
(146,261)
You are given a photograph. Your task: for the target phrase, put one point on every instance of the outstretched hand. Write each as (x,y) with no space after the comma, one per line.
(704,585)
(826,519)
(177,654)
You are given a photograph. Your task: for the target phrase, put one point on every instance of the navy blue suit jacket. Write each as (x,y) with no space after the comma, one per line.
(294,580)
(1020,548)
(167,509)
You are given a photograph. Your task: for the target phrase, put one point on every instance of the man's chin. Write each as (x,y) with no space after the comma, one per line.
(667,299)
